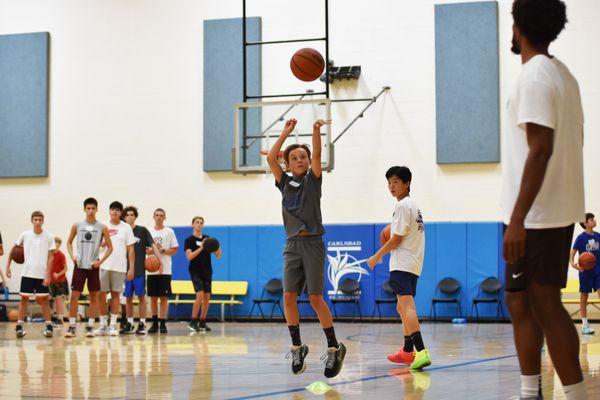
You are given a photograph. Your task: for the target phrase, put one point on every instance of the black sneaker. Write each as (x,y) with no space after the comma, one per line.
(141,329)
(163,328)
(298,354)
(193,325)
(334,359)
(20,331)
(89,331)
(71,332)
(57,321)
(153,328)
(204,327)
(48,332)
(127,329)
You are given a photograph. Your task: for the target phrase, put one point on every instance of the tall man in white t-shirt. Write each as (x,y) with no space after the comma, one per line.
(38,246)
(159,282)
(407,247)
(114,271)
(542,197)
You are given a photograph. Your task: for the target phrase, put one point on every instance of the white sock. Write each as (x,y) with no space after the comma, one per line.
(113,319)
(575,392)
(130,320)
(49,322)
(91,321)
(103,319)
(584,321)
(72,321)
(60,317)
(530,385)
(20,322)
(143,320)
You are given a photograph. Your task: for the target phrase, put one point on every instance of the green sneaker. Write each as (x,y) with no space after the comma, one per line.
(422,360)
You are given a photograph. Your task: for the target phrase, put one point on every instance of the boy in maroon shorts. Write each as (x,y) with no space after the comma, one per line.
(89,235)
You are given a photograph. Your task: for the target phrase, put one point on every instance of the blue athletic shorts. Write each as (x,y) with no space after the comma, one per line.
(137,286)
(404,283)
(588,282)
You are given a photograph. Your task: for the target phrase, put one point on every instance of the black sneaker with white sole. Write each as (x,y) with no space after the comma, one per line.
(334,359)
(203,327)
(49,331)
(153,328)
(20,332)
(71,332)
(298,354)
(127,328)
(89,331)
(141,329)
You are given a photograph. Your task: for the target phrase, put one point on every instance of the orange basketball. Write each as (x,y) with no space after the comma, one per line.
(587,260)
(13,315)
(385,234)
(17,254)
(307,64)
(152,263)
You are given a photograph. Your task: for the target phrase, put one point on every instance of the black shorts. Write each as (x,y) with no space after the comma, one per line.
(546,260)
(159,285)
(404,283)
(202,283)
(59,289)
(33,287)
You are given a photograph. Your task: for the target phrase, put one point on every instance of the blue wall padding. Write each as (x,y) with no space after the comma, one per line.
(223,87)
(482,259)
(469,252)
(24,64)
(451,261)
(467,83)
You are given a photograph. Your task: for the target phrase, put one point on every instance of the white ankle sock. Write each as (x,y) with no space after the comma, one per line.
(575,392)
(91,321)
(113,319)
(130,320)
(584,321)
(143,320)
(20,322)
(530,385)
(49,322)
(72,321)
(103,319)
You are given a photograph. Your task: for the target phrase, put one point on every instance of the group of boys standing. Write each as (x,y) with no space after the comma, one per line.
(110,258)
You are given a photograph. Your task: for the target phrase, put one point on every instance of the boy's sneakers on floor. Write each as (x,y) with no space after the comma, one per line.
(20,332)
(49,331)
(422,360)
(141,329)
(71,331)
(587,330)
(402,357)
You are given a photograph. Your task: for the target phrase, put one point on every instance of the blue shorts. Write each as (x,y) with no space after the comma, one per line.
(404,283)
(137,285)
(588,282)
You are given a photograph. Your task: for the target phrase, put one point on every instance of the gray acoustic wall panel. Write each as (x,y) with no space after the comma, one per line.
(467,83)
(223,87)
(24,104)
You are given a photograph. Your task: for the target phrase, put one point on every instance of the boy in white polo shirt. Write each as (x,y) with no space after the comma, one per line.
(407,247)
(38,246)
(114,271)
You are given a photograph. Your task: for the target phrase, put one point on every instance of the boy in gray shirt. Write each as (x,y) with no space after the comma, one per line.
(304,251)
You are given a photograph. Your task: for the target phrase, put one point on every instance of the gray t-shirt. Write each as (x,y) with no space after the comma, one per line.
(301,204)
(89,237)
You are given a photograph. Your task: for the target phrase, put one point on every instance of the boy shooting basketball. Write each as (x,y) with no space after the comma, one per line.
(407,247)
(304,251)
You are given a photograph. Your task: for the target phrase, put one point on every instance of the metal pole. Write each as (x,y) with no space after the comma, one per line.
(244,111)
(361,113)
(327,48)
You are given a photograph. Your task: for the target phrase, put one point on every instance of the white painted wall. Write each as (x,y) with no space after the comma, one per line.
(126,110)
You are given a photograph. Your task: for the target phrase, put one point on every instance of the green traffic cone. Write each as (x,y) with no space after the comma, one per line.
(318,388)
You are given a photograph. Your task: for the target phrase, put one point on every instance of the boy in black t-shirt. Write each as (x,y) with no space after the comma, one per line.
(200,273)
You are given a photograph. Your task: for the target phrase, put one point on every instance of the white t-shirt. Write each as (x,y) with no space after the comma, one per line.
(167,240)
(546,94)
(121,236)
(408,223)
(36,248)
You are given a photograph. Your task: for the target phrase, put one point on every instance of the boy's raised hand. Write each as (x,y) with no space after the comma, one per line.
(320,122)
(290,124)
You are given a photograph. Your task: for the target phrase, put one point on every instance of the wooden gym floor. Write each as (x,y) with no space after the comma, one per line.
(246,360)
